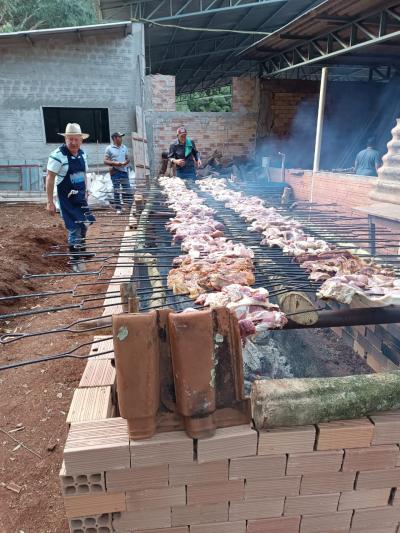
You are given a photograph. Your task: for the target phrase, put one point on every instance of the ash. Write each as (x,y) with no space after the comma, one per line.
(263,359)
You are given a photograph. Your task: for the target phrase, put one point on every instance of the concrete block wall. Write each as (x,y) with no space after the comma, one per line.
(100,70)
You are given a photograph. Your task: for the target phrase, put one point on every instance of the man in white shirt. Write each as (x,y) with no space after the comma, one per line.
(116,157)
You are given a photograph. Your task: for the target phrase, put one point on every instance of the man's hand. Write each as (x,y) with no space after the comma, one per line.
(51,208)
(198,163)
(180,162)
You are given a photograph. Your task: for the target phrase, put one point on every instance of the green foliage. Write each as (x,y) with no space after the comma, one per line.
(25,15)
(218,100)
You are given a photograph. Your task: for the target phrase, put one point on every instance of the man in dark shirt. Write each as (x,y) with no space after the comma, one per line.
(183,153)
(368,161)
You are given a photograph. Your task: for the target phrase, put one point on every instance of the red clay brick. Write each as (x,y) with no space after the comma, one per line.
(387,428)
(128,521)
(173,447)
(372,458)
(283,524)
(313,462)
(378,479)
(286,440)
(183,529)
(223,491)
(199,514)
(148,477)
(184,473)
(259,467)
(221,527)
(375,520)
(334,522)
(311,504)
(272,488)
(327,482)
(252,509)
(362,499)
(93,504)
(141,500)
(228,443)
(345,434)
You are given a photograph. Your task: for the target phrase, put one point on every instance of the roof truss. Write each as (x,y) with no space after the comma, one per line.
(168,10)
(351,36)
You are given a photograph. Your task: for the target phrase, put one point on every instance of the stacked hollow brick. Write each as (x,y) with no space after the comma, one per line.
(334,478)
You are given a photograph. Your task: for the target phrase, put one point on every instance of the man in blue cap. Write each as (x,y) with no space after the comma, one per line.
(116,157)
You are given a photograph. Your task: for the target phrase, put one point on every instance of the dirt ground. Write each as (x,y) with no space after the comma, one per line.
(34,400)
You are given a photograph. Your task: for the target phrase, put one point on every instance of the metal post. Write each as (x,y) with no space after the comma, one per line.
(320,122)
(372,236)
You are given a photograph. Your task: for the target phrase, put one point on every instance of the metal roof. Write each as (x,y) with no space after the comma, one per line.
(125,27)
(360,39)
(203,58)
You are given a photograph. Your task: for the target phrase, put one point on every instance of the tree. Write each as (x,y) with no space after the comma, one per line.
(216,100)
(18,15)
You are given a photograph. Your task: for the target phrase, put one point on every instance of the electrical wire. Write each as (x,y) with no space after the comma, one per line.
(190,28)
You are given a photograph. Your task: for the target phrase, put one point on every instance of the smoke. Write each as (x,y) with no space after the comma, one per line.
(354,112)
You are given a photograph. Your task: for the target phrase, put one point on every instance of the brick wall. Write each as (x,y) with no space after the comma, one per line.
(334,477)
(279,102)
(245,95)
(101,70)
(377,344)
(232,133)
(347,190)
(161,92)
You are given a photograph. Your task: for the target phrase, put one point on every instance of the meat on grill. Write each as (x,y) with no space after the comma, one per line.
(343,273)
(196,276)
(251,306)
(214,263)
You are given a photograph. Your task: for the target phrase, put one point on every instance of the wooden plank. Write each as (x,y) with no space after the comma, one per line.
(140,126)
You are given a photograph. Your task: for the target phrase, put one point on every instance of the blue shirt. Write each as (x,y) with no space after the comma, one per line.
(118,154)
(366,162)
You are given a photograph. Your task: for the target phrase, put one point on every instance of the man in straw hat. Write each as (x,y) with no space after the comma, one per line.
(67,167)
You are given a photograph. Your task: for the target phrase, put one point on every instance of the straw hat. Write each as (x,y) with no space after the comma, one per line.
(74,129)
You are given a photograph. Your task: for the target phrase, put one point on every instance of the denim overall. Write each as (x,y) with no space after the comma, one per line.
(72,197)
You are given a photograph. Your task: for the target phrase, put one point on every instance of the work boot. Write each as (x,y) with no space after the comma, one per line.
(75,259)
(85,255)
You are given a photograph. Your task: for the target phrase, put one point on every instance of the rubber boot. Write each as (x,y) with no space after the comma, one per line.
(75,259)
(85,255)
